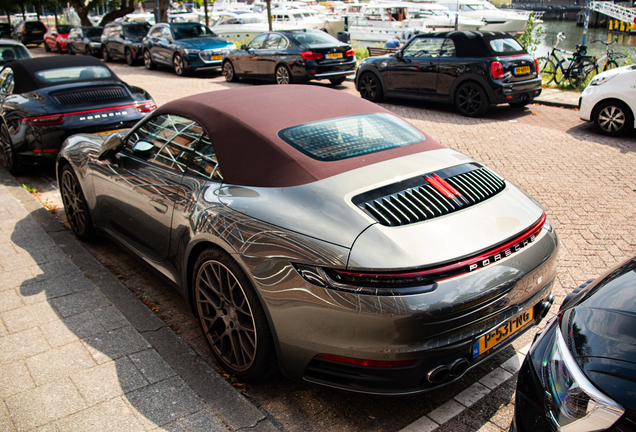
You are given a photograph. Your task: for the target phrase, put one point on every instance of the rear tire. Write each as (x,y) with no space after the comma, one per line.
(613,118)
(46,47)
(232,318)
(471,100)
(11,159)
(283,75)
(75,205)
(370,87)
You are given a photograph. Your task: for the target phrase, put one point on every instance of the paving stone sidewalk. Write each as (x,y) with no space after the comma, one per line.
(78,351)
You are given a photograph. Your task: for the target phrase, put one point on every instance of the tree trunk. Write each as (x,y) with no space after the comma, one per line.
(205,9)
(163,10)
(127,6)
(269,14)
(82,11)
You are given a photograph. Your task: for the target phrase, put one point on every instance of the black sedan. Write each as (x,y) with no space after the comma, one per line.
(45,100)
(292,56)
(85,40)
(471,69)
(184,47)
(580,373)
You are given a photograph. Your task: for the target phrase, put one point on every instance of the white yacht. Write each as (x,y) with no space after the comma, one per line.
(437,17)
(378,22)
(496,19)
(305,18)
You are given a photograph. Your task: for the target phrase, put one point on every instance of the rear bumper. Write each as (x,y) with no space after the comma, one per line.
(518,92)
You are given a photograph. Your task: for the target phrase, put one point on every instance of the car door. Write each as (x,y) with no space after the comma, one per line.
(117,42)
(151,41)
(165,46)
(245,61)
(416,70)
(269,55)
(450,67)
(138,190)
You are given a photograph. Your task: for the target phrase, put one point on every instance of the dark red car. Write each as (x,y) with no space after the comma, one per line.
(55,38)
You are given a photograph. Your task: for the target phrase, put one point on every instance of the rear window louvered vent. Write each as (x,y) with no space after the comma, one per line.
(423,198)
(89,96)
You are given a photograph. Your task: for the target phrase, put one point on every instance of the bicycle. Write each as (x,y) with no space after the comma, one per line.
(576,66)
(609,57)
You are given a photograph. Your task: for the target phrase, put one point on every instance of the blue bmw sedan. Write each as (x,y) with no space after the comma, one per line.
(184,47)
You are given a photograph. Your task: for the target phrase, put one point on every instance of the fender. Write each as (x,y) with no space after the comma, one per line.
(375,72)
(476,78)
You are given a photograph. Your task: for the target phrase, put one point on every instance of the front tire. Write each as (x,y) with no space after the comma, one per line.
(283,75)
(59,49)
(130,60)
(105,56)
(150,65)
(178,65)
(229,73)
(232,317)
(11,159)
(613,118)
(69,50)
(370,87)
(46,47)
(471,100)
(75,205)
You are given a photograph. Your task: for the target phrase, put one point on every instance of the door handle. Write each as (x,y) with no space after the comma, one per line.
(159,206)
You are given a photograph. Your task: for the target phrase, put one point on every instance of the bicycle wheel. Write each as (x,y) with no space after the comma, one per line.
(580,74)
(559,73)
(610,65)
(547,70)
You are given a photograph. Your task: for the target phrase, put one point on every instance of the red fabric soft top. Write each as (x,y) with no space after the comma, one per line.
(243,126)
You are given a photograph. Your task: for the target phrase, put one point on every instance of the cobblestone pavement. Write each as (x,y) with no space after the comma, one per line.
(586,183)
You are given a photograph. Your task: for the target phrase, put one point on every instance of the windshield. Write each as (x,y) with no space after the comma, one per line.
(63,29)
(346,137)
(10,53)
(92,31)
(136,31)
(72,74)
(191,31)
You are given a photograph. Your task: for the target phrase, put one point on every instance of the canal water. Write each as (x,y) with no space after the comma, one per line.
(574,36)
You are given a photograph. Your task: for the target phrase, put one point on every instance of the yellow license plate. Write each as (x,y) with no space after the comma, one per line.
(36,31)
(522,70)
(106,132)
(503,332)
(334,55)
(219,57)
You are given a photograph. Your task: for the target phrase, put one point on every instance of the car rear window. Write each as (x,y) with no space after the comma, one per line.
(311,38)
(64,29)
(34,25)
(507,45)
(72,74)
(350,136)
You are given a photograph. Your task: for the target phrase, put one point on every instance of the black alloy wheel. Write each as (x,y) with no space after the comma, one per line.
(10,157)
(178,65)
(336,81)
(150,65)
(130,60)
(229,73)
(75,205)
(232,318)
(105,56)
(59,49)
(283,75)
(69,49)
(370,87)
(613,118)
(471,100)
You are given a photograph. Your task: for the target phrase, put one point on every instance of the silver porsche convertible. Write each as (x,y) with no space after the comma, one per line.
(316,233)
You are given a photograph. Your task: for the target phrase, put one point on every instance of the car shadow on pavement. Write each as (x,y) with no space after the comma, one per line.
(587,132)
(87,365)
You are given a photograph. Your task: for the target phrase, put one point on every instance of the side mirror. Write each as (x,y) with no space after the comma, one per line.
(112,145)
(398,55)
(243,47)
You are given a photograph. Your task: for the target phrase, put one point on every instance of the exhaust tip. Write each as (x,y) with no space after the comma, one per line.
(438,374)
(545,306)
(459,366)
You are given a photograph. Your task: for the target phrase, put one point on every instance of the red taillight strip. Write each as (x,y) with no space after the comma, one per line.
(44,150)
(447,185)
(458,265)
(368,363)
(138,105)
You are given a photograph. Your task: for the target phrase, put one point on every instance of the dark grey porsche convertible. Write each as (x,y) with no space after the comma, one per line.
(45,100)
(332,240)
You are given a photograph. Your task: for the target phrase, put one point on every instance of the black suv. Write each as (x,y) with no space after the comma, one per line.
(123,40)
(30,32)
(468,68)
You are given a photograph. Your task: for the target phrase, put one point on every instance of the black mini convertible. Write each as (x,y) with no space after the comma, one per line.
(45,100)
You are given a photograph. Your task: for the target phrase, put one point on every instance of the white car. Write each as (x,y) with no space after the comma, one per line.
(610,101)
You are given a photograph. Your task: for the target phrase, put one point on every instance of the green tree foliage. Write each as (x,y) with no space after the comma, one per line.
(530,37)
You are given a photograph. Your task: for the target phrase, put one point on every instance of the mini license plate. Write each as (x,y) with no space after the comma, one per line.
(521,70)
(334,55)
(36,31)
(503,332)
(217,57)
